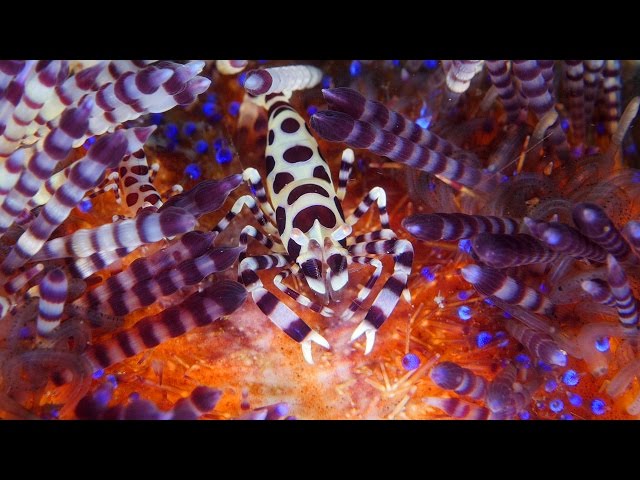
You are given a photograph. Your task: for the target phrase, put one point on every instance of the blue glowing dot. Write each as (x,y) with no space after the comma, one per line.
(540,405)
(193,171)
(488,301)
(543,288)
(464,294)
(133,396)
(396,63)
(224,155)
(424,122)
(464,245)
(241,78)
(201,146)
(430,64)
(504,178)
(598,406)
(575,399)
(545,367)
(355,68)
(85,205)
(55,413)
(570,378)
(600,129)
(88,142)
(157,118)
(410,361)
(524,415)
(24,333)
(464,312)
(506,314)
(428,274)
(564,124)
(556,405)
(566,416)
(112,380)
(189,128)
(631,149)
(171,131)
(550,386)
(312,109)
(483,339)
(602,344)
(98,373)
(326,81)
(234,108)
(635,178)
(209,108)
(523,359)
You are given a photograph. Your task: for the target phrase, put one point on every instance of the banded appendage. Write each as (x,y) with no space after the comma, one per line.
(282,79)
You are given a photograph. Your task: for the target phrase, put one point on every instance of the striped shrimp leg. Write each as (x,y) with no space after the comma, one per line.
(592,81)
(277,311)
(231,67)
(451,376)
(144,293)
(599,291)
(11,169)
(596,225)
(460,409)
(501,77)
(352,103)
(563,238)
(456,226)
(37,90)
(8,71)
(502,251)
(86,266)
(626,304)
(147,227)
(539,344)
(53,295)
(574,81)
(392,290)
(56,147)
(190,245)
(86,174)
(116,68)
(611,91)
(540,99)
(199,309)
(491,282)
(282,79)
(340,127)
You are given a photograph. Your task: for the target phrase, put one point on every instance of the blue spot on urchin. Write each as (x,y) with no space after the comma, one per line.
(464,294)
(410,361)
(602,344)
(483,339)
(488,301)
(112,380)
(208,108)
(201,146)
(311,109)
(193,171)
(564,124)
(85,205)
(395,63)
(464,312)
(212,97)
(545,367)
(574,399)
(88,142)
(234,108)
(223,156)
(189,129)
(98,374)
(424,122)
(171,131)
(157,118)
(566,416)
(556,405)
(464,245)
(524,415)
(631,149)
(430,64)
(523,360)
(217,143)
(326,81)
(570,378)
(241,78)
(635,178)
(506,315)
(355,68)
(543,288)
(133,396)
(598,406)
(550,386)
(600,129)
(428,274)
(24,333)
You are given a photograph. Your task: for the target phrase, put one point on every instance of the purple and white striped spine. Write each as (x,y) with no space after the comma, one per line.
(456,226)
(199,309)
(456,408)
(501,77)
(491,282)
(574,81)
(53,295)
(231,67)
(563,238)
(86,266)
(599,291)
(626,304)
(502,251)
(592,80)
(611,91)
(147,227)
(460,74)
(596,225)
(340,127)
(282,79)
(56,147)
(451,376)
(351,102)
